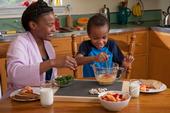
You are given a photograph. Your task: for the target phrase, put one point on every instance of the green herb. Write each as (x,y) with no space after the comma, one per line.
(64,80)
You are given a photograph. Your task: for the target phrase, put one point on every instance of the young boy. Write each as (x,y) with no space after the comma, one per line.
(99,50)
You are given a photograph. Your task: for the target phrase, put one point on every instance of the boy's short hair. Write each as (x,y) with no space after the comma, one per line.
(97,20)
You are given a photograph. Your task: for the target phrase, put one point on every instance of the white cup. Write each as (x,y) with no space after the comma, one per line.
(46,94)
(134,89)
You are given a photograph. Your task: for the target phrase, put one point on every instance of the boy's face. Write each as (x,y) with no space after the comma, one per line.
(99,36)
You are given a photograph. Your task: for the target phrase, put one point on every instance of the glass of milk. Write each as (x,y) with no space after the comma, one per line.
(46,94)
(134,89)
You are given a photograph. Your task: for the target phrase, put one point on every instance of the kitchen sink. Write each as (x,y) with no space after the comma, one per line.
(8,37)
(164,26)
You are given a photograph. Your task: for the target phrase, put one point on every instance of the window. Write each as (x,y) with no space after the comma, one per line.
(15,8)
(14,3)
(7,3)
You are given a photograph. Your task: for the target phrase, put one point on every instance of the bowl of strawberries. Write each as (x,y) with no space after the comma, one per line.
(114,100)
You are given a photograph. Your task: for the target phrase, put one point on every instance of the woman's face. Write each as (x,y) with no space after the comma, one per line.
(99,36)
(45,26)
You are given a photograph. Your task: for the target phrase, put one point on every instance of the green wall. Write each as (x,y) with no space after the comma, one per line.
(15,23)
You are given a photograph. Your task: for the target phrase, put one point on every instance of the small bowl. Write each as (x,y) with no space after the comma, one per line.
(114,105)
(63,81)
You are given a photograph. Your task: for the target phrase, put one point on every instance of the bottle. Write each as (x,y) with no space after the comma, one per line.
(69,19)
(57,23)
(106,12)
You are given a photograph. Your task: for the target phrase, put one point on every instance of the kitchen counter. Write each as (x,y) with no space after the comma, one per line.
(115,28)
(8,38)
(161,29)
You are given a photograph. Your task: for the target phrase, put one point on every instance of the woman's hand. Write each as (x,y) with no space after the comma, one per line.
(102,57)
(128,61)
(70,63)
(67,61)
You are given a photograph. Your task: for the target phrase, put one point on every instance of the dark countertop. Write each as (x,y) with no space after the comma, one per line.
(76,90)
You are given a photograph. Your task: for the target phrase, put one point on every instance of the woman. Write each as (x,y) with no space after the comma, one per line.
(31,57)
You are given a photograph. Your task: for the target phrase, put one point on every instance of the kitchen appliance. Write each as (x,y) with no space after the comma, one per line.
(123,13)
(167,17)
(106,12)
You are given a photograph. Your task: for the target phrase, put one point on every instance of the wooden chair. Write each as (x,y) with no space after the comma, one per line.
(78,72)
(130,51)
(3,76)
(3,73)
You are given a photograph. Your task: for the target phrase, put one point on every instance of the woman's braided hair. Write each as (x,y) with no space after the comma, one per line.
(33,12)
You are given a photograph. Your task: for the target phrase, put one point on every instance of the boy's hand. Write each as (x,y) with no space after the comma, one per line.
(102,57)
(128,61)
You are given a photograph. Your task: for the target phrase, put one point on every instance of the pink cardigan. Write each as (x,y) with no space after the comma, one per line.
(23,62)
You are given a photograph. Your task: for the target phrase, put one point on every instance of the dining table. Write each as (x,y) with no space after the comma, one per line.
(145,103)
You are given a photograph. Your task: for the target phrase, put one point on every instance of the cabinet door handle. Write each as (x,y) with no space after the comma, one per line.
(138,44)
(55,46)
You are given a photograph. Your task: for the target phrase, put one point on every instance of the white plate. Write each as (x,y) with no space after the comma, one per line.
(162,88)
(36,90)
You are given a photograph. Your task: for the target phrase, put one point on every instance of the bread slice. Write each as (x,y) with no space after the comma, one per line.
(29,96)
(157,84)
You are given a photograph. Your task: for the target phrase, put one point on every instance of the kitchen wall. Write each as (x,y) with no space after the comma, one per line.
(164,4)
(93,6)
(80,8)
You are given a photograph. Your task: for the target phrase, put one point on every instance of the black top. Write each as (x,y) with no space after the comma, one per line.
(48,72)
